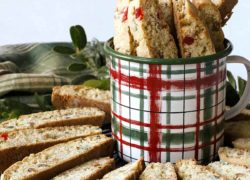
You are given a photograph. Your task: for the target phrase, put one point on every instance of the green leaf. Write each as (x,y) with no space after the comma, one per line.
(242,85)
(77,67)
(78,36)
(82,78)
(64,50)
(44,102)
(12,109)
(100,84)
(232,96)
(231,79)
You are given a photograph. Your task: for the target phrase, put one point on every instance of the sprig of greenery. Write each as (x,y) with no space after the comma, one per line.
(13,108)
(234,90)
(91,58)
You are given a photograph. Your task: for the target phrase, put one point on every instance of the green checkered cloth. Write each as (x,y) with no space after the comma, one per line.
(29,68)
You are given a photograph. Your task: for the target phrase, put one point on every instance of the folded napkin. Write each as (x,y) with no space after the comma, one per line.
(30,68)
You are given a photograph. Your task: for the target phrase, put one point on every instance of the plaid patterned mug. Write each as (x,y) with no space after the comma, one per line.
(166,110)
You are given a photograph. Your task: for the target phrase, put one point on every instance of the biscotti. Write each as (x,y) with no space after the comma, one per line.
(230,171)
(235,156)
(225,7)
(18,144)
(130,171)
(212,18)
(159,171)
(68,117)
(166,9)
(91,170)
(193,35)
(70,96)
(123,39)
(151,34)
(242,143)
(56,159)
(189,170)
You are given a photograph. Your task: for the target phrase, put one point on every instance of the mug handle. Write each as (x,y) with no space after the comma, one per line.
(244,100)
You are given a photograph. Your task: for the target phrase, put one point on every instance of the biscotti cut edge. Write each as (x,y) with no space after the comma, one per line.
(55,118)
(54,165)
(193,35)
(135,169)
(230,171)
(34,140)
(98,167)
(188,168)
(242,143)
(235,156)
(159,171)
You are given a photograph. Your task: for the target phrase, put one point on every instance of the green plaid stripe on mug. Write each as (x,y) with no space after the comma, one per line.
(168,112)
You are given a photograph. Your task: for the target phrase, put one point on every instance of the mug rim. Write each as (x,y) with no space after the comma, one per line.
(108,48)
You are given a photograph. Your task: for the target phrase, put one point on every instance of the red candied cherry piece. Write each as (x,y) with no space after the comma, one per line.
(125,14)
(188,40)
(5,136)
(139,13)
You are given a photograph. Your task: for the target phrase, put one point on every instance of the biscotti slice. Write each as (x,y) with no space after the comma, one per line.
(235,156)
(151,34)
(225,7)
(193,35)
(123,39)
(212,18)
(71,96)
(18,144)
(190,170)
(230,171)
(166,8)
(242,143)
(91,170)
(159,171)
(67,117)
(56,159)
(130,171)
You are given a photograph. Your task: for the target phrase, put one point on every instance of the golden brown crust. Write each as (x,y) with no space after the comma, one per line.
(102,150)
(63,101)
(10,155)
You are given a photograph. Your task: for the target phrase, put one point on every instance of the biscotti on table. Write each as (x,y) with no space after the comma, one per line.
(159,171)
(235,156)
(18,144)
(130,171)
(230,171)
(242,143)
(56,118)
(91,170)
(61,157)
(189,170)
(71,96)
